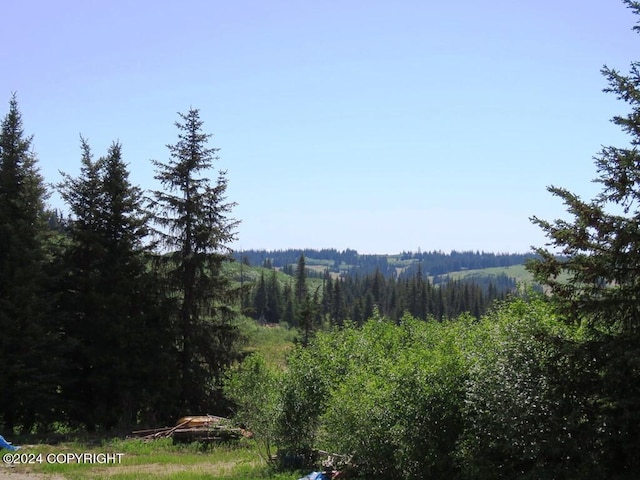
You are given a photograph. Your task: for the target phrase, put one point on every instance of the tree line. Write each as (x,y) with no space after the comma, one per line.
(119,313)
(351,262)
(354,297)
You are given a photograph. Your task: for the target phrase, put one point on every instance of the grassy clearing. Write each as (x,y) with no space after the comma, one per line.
(517,272)
(141,460)
(273,342)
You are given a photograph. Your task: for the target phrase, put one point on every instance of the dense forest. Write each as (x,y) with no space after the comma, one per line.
(340,297)
(127,311)
(119,312)
(392,284)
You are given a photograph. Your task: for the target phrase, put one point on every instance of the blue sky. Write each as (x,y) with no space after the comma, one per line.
(374,125)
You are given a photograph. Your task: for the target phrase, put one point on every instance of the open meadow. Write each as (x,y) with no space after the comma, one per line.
(135,459)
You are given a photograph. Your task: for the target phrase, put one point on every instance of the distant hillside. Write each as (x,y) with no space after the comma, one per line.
(518,272)
(435,263)
(348,286)
(243,274)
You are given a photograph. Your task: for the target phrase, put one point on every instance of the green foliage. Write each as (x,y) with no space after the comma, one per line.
(302,401)
(597,277)
(106,306)
(389,395)
(510,407)
(546,401)
(25,381)
(519,394)
(254,388)
(193,224)
(587,388)
(396,403)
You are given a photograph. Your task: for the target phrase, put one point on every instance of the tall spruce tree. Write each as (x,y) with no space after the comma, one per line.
(22,227)
(107,305)
(274,299)
(596,282)
(195,229)
(338,313)
(80,308)
(260,300)
(327,294)
(596,276)
(301,280)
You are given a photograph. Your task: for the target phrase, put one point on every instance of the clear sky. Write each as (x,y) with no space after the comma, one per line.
(380,126)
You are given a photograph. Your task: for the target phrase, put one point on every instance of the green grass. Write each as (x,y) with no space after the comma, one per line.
(517,272)
(151,460)
(273,342)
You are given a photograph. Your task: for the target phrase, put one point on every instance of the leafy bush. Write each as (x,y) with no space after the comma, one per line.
(253,387)
(389,395)
(507,400)
(543,401)
(302,400)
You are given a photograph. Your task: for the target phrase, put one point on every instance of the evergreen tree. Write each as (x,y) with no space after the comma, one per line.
(356,313)
(595,281)
(418,295)
(369,306)
(377,287)
(596,277)
(195,229)
(308,314)
(338,315)
(288,314)
(274,299)
(107,307)
(301,280)
(327,293)
(81,313)
(260,300)
(24,336)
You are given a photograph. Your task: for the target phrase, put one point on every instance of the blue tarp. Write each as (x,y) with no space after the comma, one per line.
(315,476)
(7,445)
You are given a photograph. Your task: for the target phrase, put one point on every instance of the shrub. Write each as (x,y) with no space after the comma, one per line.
(389,395)
(253,387)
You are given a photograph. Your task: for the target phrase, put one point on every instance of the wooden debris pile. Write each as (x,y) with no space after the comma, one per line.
(200,428)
